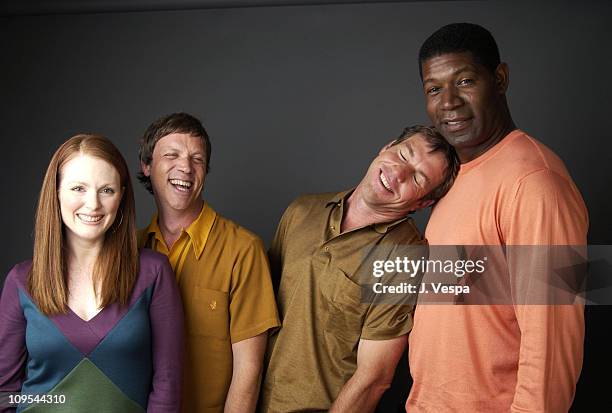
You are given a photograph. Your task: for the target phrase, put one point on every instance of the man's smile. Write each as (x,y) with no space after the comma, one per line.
(181,185)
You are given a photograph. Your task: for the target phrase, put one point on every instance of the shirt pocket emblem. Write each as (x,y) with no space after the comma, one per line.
(207,314)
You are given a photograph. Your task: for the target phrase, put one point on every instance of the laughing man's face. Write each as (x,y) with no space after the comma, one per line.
(402,174)
(177,171)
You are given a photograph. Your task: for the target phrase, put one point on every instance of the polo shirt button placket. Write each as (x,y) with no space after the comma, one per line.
(327,254)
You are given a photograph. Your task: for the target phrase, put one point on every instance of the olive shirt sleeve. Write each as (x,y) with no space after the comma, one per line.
(252,305)
(13,352)
(391,315)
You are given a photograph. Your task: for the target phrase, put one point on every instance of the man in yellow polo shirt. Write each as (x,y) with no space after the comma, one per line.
(221,269)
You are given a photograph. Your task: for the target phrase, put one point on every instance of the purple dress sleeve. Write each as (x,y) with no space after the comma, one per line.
(166,313)
(13,353)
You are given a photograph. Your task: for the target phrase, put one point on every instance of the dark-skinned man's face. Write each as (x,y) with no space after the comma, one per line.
(465,101)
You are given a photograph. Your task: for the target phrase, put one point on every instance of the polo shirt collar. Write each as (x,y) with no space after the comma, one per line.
(340,198)
(383,227)
(199,229)
(197,232)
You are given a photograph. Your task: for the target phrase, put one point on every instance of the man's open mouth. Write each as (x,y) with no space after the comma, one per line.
(181,185)
(385,182)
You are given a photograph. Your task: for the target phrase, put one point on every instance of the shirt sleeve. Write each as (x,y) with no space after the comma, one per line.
(547,211)
(391,315)
(13,352)
(167,331)
(252,304)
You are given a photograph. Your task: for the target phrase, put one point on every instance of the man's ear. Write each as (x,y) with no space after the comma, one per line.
(502,77)
(146,169)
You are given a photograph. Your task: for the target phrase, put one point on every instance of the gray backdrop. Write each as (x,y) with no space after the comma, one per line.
(296,99)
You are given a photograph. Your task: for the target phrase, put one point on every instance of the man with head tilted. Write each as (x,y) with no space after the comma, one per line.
(221,269)
(522,355)
(337,350)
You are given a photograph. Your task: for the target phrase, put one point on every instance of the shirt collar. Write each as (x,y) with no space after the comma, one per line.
(383,227)
(339,199)
(198,231)
(200,228)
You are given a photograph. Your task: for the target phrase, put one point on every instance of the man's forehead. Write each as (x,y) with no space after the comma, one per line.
(450,62)
(180,139)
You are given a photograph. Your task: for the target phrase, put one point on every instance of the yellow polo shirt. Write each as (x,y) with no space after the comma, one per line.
(224,277)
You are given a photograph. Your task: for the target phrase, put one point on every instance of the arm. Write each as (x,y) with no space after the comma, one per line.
(252,314)
(547,211)
(246,376)
(13,351)
(167,333)
(376,362)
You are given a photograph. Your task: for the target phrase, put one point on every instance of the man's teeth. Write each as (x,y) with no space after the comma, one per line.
(181,183)
(90,218)
(384,181)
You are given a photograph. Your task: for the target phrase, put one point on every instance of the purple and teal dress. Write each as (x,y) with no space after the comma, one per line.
(126,359)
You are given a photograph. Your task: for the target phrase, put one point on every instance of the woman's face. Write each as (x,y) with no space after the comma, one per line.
(89,196)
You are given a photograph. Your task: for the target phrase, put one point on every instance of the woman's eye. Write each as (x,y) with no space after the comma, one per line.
(108,191)
(77,188)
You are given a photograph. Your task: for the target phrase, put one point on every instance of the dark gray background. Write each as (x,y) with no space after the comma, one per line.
(296,99)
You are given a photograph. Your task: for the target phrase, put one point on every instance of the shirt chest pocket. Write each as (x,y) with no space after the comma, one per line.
(344,313)
(207,313)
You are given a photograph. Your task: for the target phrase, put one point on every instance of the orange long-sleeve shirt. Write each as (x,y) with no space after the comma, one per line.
(500,358)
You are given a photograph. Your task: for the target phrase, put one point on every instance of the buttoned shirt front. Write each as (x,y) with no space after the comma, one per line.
(224,278)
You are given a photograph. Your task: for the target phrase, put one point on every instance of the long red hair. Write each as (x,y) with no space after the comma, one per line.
(116,268)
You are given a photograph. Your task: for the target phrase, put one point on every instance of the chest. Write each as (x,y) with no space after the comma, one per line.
(120,331)
(473,212)
(82,297)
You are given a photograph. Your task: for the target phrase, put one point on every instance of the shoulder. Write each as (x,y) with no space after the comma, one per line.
(309,202)
(539,169)
(406,233)
(525,155)
(521,164)
(18,275)
(235,232)
(149,258)
(308,205)
(14,283)
(234,239)
(153,265)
